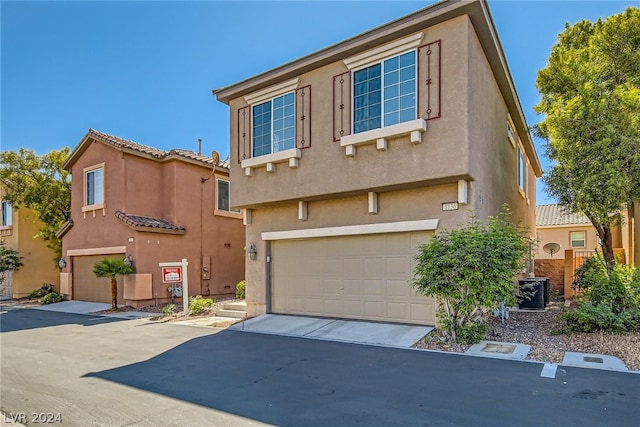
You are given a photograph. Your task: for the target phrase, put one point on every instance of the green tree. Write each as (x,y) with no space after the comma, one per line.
(112,268)
(40,184)
(590,96)
(471,270)
(9,260)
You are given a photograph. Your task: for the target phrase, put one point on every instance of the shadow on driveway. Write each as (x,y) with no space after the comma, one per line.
(294,381)
(14,318)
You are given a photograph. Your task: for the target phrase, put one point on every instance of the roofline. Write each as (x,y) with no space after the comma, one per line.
(572,225)
(480,17)
(169,156)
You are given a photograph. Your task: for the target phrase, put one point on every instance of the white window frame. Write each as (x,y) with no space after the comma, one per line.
(381,61)
(7,214)
(521,171)
(95,206)
(511,131)
(273,143)
(233,213)
(584,239)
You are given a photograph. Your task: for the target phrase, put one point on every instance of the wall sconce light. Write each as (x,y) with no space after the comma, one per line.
(252,252)
(128,261)
(62,263)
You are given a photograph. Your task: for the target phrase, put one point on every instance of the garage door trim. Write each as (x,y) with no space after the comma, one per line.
(352,230)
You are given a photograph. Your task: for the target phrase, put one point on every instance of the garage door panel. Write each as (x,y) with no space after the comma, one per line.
(398,266)
(88,287)
(359,277)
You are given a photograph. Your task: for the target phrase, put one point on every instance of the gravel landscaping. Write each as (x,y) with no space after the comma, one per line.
(535,329)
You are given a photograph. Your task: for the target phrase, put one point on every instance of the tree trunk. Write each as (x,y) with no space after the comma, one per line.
(606,241)
(114,294)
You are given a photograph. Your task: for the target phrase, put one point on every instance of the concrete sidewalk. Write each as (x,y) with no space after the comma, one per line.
(86,307)
(350,331)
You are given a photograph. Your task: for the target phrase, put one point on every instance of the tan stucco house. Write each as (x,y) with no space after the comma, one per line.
(18,229)
(153,206)
(565,240)
(347,159)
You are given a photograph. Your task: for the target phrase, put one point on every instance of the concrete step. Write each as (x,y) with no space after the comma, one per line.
(239,305)
(237,314)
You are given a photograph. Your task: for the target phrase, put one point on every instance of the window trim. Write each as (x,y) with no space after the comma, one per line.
(221,212)
(271,124)
(521,165)
(96,206)
(511,131)
(584,239)
(380,59)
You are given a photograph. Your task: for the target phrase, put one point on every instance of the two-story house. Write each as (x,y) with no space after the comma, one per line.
(18,229)
(150,206)
(347,159)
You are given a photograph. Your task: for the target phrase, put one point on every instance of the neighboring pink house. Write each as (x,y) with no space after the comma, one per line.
(152,206)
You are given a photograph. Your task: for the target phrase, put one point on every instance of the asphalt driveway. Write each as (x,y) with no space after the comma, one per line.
(98,371)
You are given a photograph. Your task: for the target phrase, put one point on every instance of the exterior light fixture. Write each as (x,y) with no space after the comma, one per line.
(252,252)
(62,263)
(128,261)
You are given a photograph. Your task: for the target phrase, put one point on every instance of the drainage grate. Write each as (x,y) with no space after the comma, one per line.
(499,348)
(593,359)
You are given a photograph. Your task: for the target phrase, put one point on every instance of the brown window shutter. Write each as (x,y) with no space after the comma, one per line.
(341,105)
(303,117)
(244,133)
(429,87)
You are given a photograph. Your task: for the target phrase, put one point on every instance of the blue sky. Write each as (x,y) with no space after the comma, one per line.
(144,70)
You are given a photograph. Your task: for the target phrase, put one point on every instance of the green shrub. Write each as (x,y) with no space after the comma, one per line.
(470,271)
(198,305)
(611,301)
(169,309)
(240,289)
(45,289)
(38,293)
(51,298)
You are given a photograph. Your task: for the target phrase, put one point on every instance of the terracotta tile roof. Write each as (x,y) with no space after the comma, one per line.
(155,153)
(65,227)
(548,215)
(124,143)
(149,222)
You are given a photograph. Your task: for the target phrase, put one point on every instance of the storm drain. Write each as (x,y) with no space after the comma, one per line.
(597,361)
(500,350)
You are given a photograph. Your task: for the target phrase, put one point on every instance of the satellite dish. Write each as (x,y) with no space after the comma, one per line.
(551,248)
(216,157)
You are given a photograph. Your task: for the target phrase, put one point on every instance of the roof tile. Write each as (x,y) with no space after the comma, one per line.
(549,215)
(147,221)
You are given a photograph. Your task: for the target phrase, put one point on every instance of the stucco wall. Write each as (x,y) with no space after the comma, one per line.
(562,236)
(39,264)
(176,191)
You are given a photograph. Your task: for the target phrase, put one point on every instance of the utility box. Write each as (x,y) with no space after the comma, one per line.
(540,288)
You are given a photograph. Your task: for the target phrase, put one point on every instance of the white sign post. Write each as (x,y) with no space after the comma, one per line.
(172,274)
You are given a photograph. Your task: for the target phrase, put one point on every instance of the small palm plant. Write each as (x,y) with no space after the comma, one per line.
(112,268)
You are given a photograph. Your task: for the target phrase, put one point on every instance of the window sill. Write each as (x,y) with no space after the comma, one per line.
(235,215)
(414,129)
(93,209)
(6,230)
(270,160)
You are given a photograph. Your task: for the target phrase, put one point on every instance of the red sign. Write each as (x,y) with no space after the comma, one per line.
(171,274)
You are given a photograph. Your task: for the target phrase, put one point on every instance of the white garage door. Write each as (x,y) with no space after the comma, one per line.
(358,277)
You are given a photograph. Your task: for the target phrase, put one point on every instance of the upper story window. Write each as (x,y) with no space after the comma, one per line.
(522,171)
(94,186)
(384,94)
(6,214)
(578,239)
(223,202)
(511,132)
(274,125)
